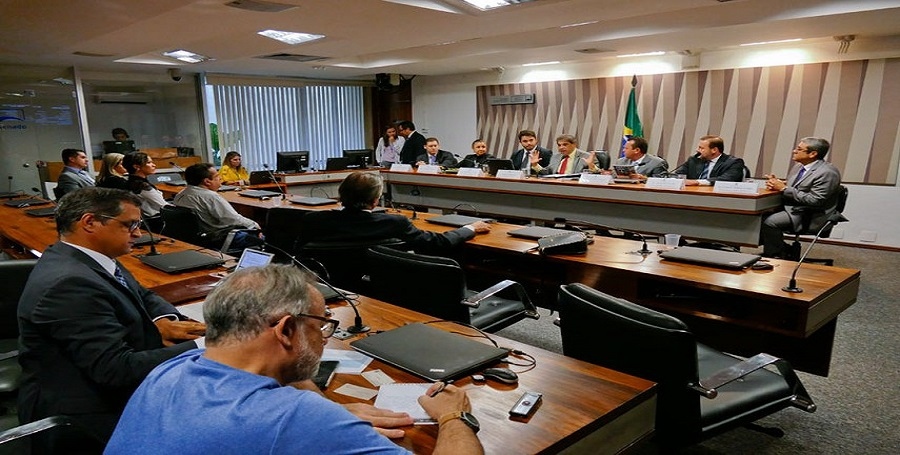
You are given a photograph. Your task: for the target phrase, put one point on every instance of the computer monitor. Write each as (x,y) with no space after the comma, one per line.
(118,146)
(292,161)
(361,157)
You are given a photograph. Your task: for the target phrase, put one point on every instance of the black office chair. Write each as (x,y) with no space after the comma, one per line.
(15,275)
(793,251)
(183,224)
(343,263)
(282,229)
(620,335)
(603,159)
(58,193)
(50,435)
(437,286)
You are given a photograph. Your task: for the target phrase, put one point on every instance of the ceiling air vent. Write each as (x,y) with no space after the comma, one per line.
(122,98)
(293,57)
(259,7)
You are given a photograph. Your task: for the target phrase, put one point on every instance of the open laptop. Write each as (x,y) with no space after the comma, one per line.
(456,220)
(312,201)
(21,203)
(253,258)
(536,232)
(170,179)
(431,353)
(260,177)
(497,164)
(338,164)
(181,261)
(259,194)
(623,174)
(42,212)
(714,258)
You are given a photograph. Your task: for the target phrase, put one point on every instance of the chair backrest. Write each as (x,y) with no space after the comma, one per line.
(15,274)
(282,228)
(183,224)
(345,261)
(620,335)
(603,159)
(428,284)
(843,194)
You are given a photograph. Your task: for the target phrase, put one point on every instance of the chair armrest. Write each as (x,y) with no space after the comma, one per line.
(38,426)
(530,310)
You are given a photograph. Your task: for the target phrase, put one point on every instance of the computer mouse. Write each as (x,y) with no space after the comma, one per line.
(264,198)
(504,375)
(760,265)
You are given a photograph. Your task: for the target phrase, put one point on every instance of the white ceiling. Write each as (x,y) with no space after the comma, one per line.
(364,37)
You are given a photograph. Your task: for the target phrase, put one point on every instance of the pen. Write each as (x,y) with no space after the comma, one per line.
(440,388)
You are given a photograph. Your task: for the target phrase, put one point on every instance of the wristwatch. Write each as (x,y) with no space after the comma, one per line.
(467,419)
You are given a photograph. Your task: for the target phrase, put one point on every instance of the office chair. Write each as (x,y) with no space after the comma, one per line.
(343,263)
(437,286)
(793,251)
(626,337)
(57,193)
(282,230)
(183,224)
(15,275)
(603,159)
(53,435)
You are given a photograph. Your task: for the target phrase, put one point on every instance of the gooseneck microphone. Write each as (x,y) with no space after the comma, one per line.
(358,326)
(153,251)
(275,181)
(644,251)
(835,218)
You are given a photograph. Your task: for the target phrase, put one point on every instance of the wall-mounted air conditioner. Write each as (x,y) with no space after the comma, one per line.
(122,98)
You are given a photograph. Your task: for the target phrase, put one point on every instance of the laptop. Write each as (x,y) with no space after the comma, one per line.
(10,194)
(560,176)
(536,232)
(21,203)
(146,240)
(338,164)
(42,212)
(714,258)
(312,201)
(497,164)
(430,353)
(456,220)
(259,194)
(253,258)
(181,261)
(623,174)
(169,179)
(228,188)
(261,178)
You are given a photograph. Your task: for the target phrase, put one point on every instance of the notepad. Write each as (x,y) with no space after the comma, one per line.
(404,397)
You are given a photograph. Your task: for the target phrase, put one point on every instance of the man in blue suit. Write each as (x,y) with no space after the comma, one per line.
(710,163)
(74,175)
(522,158)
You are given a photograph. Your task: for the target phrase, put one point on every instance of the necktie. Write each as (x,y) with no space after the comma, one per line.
(705,172)
(119,277)
(430,159)
(563,165)
(526,160)
(86,176)
(799,176)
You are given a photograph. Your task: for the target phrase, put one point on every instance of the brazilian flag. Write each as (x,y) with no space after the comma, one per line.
(633,126)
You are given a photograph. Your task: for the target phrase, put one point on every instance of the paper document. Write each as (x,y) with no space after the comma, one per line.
(404,398)
(352,362)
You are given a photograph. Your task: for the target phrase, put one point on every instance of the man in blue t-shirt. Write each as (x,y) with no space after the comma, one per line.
(265,330)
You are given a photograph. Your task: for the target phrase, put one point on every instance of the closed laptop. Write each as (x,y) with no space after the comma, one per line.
(536,232)
(714,258)
(259,194)
(312,201)
(456,220)
(181,261)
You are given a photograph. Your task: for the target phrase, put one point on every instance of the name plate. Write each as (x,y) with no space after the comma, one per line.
(736,187)
(470,172)
(659,183)
(398,167)
(429,169)
(595,179)
(510,174)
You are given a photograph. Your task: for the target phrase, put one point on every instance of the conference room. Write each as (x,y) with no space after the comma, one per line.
(481,75)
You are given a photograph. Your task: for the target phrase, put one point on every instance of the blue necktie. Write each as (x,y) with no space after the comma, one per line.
(799,176)
(705,172)
(119,277)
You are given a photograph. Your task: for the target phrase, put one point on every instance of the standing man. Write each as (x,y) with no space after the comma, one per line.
(267,330)
(434,155)
(415,142)
(644,165)
(710,163)
(74,175)
(809,196)
(569,160)
(522,158)
(89,332)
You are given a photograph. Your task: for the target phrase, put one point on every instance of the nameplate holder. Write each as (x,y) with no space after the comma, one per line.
(470,172)
(736,187)
(595,179)
(398,167)
(510,174)
(429,169)
(760,183)
(659,183)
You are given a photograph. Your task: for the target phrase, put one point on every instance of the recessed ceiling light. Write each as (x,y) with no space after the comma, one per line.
(290,37)
(485,5)
(578,24)
(772,42)
(542,63)
(644,54)
(186,56)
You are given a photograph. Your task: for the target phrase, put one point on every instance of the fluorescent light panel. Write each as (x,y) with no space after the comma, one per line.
(645,54)
(485,5)
(541,63)
(772,42)
(290,37)
(186,56)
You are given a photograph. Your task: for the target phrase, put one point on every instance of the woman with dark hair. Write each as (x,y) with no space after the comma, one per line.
(232,172)
(112,172)
(389,146)
(478,158)
(140,165)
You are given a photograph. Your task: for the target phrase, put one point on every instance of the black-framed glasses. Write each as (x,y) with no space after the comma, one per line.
(328,325)
(130,225)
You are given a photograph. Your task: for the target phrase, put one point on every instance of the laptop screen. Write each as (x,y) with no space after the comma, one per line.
(254,258)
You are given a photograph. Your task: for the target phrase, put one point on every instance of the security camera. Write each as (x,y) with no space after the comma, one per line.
(175,74)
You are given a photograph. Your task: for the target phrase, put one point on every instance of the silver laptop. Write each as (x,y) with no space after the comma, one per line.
(253,258)
(259,194)
(714,258)
(312,201)
(456,220)
(170,179)
(536,232)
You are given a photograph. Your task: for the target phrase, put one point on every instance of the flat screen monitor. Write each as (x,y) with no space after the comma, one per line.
(361,157)
(292,161)
(118,146)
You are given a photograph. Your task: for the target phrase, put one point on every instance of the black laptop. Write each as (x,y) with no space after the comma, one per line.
(312,201)
(146,239)
(259,194)
(456,220)
(42,212)
(338,164)
(623,174)
(498,164)
(261,177)
(181,261)
(536,232)
(428,352)
(30,202)
(714,258)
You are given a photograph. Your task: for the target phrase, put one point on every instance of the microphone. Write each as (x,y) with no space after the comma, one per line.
(9,188)
(407,207)
(153,251)
(644,251)
(275,181)
(466,203)
(358,326)
(180,169)
(833,219)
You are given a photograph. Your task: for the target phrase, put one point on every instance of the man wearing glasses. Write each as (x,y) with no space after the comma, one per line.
(89,333)
(266,329)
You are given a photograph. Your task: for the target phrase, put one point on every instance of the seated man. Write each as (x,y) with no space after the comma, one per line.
(809,196)
(710,163)
(522,158)
(644,165)
(360,193)
(569,160)
(90,332)
(267,329)
(217,216)
(74,175)
(434,155)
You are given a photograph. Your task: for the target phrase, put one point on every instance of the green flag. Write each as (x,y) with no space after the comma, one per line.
(633,126)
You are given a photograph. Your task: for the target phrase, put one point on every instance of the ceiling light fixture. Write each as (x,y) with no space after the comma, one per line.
(290,37)
(555,62)
(644,54)
(578,24)
(186,56)
(485,5)
(772,42)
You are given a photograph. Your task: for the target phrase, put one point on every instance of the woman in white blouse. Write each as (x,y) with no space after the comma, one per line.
(139,166)
(388,150)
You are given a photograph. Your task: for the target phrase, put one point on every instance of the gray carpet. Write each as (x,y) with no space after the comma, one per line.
(857,403)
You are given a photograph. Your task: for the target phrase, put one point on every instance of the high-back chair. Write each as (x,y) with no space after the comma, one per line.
(701,391)
(343,263)
(15,275)
(794,249)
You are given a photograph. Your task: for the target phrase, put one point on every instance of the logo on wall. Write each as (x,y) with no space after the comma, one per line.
(12,115)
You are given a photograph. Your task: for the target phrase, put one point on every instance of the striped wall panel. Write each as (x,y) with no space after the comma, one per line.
(760,112)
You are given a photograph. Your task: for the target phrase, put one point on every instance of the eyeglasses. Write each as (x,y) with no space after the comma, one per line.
(130,225)
(328,325)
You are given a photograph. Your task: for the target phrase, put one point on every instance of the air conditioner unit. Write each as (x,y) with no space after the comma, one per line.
(122,98)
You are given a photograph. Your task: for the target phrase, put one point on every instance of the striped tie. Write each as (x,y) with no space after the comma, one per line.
(705,172)
(119,277)
(799,176)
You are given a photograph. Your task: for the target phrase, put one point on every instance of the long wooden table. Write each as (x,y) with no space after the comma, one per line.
(695,212)
(312,183)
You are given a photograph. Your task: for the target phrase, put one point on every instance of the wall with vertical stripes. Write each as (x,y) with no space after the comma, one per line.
(760,112)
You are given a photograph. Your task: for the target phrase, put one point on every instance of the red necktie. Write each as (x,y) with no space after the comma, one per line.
(563,165)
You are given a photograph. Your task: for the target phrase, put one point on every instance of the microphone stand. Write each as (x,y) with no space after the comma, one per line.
(357,326)
(275,181)
(792,284)
(153,251)
(644,251)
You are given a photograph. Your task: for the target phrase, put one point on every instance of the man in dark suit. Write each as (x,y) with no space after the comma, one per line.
(710,163)
(414,144)
(435,156)
(522,158)
(74,175)
(90,332)
(360,193)
(809,195)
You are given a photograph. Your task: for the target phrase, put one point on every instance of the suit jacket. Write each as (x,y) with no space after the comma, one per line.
(473,160)
(412,148)
(810,201)
(359,225)
(443,158)
(727,169)
(580,156)
(649,165)
(86,341)
(70,181)
(519,155)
